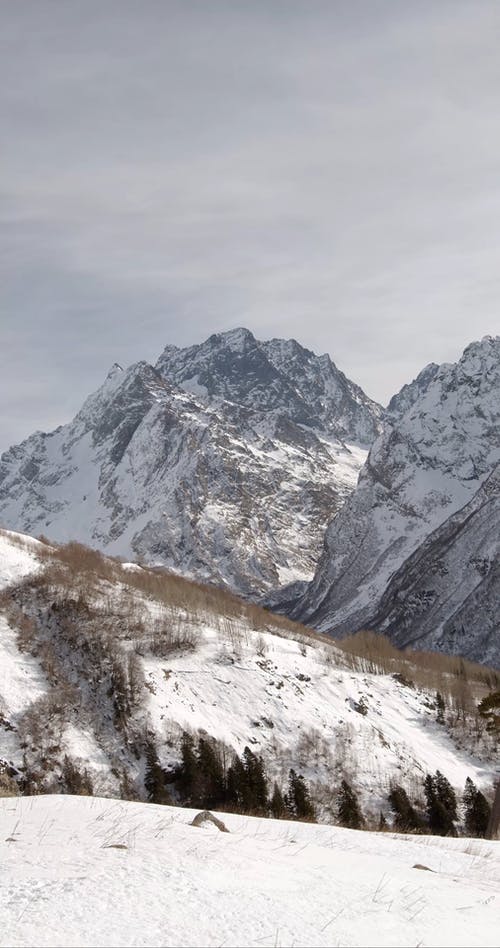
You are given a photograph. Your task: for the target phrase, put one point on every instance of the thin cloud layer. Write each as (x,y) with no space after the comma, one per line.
(327,171)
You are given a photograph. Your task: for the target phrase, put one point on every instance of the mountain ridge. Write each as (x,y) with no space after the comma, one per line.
(426,467)
(234,485)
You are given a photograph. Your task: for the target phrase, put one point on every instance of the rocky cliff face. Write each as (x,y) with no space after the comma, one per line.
(275,376)
(446,595)
(224,462)
(414,551)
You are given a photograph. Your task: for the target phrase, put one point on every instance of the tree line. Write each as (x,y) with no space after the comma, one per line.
(209,776)
(205,778)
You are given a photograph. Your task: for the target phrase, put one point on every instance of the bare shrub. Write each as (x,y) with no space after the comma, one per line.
(82,559)
(74,780)
(451,675)
(261,646)
(313,750)
(26,632)
(8,785)
(162,638)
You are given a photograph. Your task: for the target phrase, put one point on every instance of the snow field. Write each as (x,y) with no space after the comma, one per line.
(95,872)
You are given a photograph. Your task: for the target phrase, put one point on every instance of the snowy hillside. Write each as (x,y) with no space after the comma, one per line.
(428,494)
(100,662)
(86,872)
(225,463)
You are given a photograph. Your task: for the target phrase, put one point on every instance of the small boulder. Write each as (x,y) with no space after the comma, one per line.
(206,817)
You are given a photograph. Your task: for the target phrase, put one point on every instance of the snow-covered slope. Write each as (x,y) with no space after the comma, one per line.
(429,464)
(225,462)
(447,594)
(86,872)
(98,659)
(19,557)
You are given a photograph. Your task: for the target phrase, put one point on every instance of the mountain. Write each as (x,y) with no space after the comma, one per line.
(414,551)
(276,376)
(446,595)
(224,462)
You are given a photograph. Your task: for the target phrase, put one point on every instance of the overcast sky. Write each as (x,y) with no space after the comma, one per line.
(328,171)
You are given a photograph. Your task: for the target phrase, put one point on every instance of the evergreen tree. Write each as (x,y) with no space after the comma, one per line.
(348,811)
(187,770)
(440,708)
(477,810)
(406,818)
(75,781)
(256,782)
(236,785)
(154,777)
(210,789)
(246,784)
(298,799)
(277,804)
(489,709)
(441,804)
(446,795)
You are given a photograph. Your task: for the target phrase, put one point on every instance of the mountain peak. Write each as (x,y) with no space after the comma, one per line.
(274,376)
(116,369)
(412,391)
(482,354)
(236,339)
(235,484)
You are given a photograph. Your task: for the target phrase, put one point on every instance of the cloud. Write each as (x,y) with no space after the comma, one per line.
(170,169)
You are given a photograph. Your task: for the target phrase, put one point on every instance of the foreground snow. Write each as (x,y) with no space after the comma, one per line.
(88,871)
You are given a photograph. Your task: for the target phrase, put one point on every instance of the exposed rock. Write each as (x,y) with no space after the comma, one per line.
(224,463)
(206,817)
(414,551)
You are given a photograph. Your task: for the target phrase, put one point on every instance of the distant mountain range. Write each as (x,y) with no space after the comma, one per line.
(231,461)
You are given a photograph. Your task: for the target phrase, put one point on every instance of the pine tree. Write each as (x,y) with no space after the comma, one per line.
(236,785)
(277,804)
(154,777)
(298,799)
(187,770)
(406,818)
(446,795)
(210,790)
(348,811)
(441,804)
(75,781)
(440,708)
(489,709)
(256,782)
(477,810)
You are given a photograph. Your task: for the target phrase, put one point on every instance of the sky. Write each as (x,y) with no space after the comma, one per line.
(326,170)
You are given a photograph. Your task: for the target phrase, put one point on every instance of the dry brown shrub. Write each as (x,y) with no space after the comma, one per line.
(461,681)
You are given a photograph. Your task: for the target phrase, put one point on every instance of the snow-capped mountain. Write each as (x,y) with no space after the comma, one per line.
(414,551)
(276,376)
(225,462)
